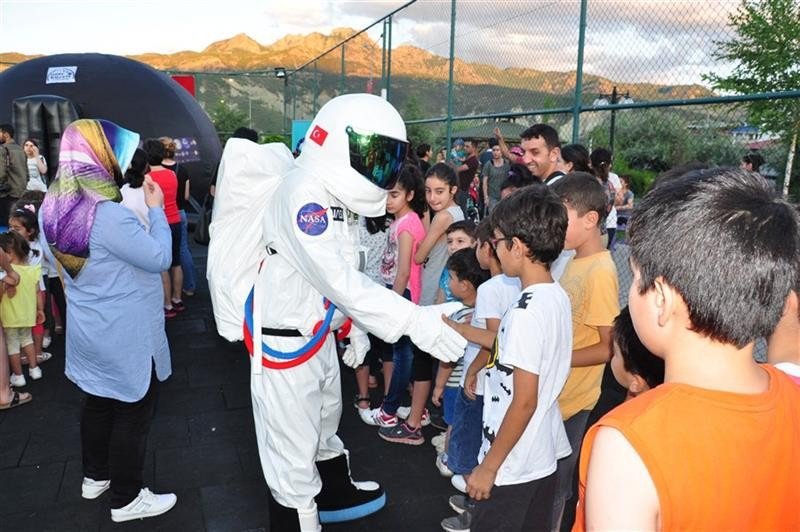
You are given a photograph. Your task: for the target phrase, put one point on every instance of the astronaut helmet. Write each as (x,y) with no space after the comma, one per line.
(357,145)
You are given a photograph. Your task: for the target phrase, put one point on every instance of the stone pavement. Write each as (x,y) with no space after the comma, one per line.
(202,447)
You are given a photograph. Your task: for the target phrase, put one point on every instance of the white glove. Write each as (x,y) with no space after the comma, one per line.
(432,335)
(355,352)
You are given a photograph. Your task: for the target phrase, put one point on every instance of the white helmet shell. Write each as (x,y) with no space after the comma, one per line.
(326,149)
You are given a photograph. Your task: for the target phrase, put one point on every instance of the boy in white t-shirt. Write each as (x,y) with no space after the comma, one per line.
(523,435)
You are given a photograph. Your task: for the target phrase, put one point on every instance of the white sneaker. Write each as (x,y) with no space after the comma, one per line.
(441,465)
(35,373)
(438,441)
(92,489)
(377,417)
(17,380)
(459,483)
(46,342)
(146,504)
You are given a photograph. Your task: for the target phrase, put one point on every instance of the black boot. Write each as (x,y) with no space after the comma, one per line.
(281,518)
(340,499)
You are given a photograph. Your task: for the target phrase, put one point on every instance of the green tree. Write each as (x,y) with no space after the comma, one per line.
(227,119)
(766,54)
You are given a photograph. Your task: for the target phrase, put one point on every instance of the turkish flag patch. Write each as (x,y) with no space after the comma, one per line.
(318,135)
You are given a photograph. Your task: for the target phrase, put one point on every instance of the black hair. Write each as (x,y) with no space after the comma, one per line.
(493,142)
(543,131)
(636,358)
(410,180)
(464,264)
(13,243)
(444,172)
(518,176)
(169,147)
(601,163)
(468,226)
(245,133)
(31,140)
(134,175)
(154,150)
(485,233)
(36,197)
(583,192)
(678,171)
(726,243)
(28,219)
(537,217)
(422,149)
(7,128)
(375,224)
(753,159)
(578,155)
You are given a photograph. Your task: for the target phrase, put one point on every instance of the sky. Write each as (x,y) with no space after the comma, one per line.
(660,41)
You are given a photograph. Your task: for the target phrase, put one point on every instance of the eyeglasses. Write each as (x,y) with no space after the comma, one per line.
(494,241)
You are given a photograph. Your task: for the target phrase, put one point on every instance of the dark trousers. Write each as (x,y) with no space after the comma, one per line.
(516,508)
(113,440)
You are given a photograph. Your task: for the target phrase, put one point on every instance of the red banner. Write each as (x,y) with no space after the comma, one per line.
(187,82)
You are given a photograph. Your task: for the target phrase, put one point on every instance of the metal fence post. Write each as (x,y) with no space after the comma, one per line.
(383,60)
(341,78)
(389,58)
(450,76)
(576,109)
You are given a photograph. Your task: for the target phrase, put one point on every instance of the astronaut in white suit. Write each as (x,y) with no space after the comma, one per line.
(352,154)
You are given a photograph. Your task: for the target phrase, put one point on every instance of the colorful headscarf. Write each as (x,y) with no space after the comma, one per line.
(93,153)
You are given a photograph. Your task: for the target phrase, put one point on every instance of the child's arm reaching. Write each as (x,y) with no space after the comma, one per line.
(439,225)
(519,413)
(405,243)
(445,369)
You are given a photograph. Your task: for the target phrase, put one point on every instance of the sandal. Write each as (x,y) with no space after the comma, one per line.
(361,399)
(19,398)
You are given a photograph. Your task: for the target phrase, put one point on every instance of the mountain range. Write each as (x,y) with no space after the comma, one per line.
(363,59)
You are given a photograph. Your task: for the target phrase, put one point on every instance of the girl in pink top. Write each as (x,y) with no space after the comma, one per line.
(405,202)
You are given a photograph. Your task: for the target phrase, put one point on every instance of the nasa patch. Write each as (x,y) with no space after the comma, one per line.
(312,219)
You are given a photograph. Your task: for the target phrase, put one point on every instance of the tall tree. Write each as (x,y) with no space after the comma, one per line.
(766,54)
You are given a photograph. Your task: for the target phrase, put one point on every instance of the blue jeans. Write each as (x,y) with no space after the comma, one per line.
(466,433)
(402,356)
(187,264)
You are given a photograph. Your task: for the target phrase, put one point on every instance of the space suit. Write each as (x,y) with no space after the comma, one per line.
(352,154)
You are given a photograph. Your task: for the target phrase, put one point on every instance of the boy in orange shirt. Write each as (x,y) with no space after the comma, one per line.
(714,256)
(590,280)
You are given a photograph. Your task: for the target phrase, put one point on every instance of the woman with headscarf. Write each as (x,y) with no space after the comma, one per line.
(116,347)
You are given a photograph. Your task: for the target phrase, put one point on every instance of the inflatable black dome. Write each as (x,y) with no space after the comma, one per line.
(41,96)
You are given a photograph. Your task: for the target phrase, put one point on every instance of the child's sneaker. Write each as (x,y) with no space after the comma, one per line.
(178,305)
(457,523)
(17,380)
(459,483)
(377,417)
(441,465)
(146,504)
(404,411)
(46,342)
(35,373)
(92,489)
(402,433)
(460,503)
(438,441)
(169,313)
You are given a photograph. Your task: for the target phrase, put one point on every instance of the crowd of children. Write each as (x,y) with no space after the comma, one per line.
(556,374)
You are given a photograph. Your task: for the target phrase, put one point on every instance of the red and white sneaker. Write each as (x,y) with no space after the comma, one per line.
(377,417)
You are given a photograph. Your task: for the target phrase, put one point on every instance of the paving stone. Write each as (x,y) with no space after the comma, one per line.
(29,488)
(167,432)
(193,467)
(189,401)
(187,514)
(52,444)
(11,448)
(233,426)
(75,515)
(237,506)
